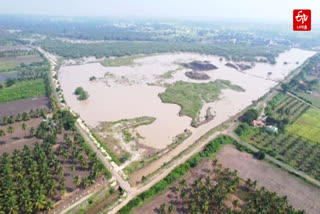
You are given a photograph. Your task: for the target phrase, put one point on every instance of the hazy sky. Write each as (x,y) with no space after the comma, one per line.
(267,10)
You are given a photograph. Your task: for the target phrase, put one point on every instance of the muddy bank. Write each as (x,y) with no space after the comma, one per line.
(231,65)
(200,66)
(197,75)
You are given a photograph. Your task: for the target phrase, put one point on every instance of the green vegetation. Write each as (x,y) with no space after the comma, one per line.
(314,98)
(297,143)
(83,95)
(307,126)
(249,116)
(285,108)
(93,78)
(245,131)
(272,104)
(23,89)
(99,202)
(120,61)
(190,96)
(306,84)
(168,74)
(32,76)
(6,67)
(236,52)
(25,116)
(127,135)
(23,62)
(260,155)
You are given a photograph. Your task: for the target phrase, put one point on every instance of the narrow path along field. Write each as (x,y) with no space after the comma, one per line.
(300,195)
(124,184)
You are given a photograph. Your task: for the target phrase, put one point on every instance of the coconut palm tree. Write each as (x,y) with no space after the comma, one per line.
(77,180)
(40,200)
(33,131)
(10,130)
(24,126)
(2,133)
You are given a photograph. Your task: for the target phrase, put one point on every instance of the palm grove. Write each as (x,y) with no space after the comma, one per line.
(33,180)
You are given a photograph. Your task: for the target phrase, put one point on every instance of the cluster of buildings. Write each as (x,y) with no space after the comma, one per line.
(262,123)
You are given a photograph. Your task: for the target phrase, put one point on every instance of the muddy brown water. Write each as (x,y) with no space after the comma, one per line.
(126,94)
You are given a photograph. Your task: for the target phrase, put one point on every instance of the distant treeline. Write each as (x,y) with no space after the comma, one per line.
(233,52)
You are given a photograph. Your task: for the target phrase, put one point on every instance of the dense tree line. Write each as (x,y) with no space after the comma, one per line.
(307,79)
(249,116)
(32,71)
(27,179)
(236,52)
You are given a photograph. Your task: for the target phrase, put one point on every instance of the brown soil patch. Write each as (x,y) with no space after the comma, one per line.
(300,195)
(22,59)
(19,138)
(23,105)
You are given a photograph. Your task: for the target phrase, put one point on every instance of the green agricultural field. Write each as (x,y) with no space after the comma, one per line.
(295,145)
(120,61)
(25,89)
(315,100)
(6,67)
(190,96)
(307,126)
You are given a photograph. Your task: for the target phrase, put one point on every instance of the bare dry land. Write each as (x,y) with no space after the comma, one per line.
(22,59)
(300,195)
(23,105)
(19,138)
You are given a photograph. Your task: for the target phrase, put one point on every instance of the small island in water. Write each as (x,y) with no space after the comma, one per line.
(82,94)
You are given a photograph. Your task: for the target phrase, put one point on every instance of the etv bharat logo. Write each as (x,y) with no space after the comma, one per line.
(301,20)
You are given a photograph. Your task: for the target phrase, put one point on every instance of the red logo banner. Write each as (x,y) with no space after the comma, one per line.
(301,20)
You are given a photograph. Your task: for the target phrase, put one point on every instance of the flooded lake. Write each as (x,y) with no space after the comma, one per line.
(125,92)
